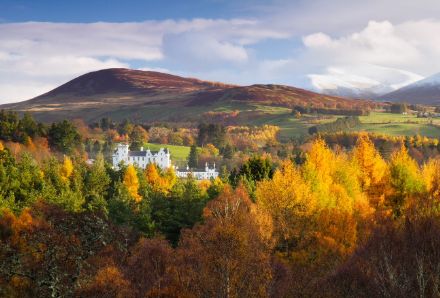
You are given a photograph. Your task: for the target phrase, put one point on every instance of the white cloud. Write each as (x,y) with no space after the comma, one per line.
(43,55)
(341,46)
(380,55)
(201,51)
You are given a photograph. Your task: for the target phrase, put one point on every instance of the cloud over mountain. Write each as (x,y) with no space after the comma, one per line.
(376,46)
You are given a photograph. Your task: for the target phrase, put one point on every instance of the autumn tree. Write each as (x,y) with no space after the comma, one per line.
(138,137)
(160,183)
(405,178)
(400,259)
(289,200)
(372,167)
(45,249)
(149,267)
(227,256)
(131,182)
(318,169)
(66,168)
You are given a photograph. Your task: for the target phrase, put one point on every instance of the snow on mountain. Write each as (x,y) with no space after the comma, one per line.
(361,81)
(425,91)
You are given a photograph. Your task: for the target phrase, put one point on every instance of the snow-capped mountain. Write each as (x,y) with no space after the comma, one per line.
(425,91)
(365,81)
(359,93)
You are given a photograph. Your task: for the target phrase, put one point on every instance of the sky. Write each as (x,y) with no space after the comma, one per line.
(376,45)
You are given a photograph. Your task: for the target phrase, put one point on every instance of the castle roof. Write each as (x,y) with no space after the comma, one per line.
(140,153)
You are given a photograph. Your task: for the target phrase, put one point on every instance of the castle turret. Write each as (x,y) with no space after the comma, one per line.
(120,155)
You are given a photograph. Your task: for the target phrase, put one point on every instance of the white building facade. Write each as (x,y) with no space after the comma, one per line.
(161,158)
(206,174)
(142,158)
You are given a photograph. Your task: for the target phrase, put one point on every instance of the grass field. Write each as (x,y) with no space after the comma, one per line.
(292,128)
(178,153)
(377,122)
(405,129)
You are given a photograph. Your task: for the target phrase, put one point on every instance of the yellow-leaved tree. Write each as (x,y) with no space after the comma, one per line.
(406,179)
(66,168)
(372,167)
(431,176)
(318,169)
(290,202)
(131,181)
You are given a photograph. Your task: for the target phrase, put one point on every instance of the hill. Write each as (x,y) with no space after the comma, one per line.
(426,91)
(153,96)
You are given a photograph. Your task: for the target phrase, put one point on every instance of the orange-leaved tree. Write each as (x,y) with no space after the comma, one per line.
(131,181)
(227,255)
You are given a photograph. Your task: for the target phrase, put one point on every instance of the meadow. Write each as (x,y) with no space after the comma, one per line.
(377,122)
(178,153)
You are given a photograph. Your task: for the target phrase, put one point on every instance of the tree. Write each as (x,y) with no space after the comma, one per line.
(131,181)
(290,202)
(108,282)
(256,168)
(138,137)
(228,255)
(318,169)
(45,251)
(228,151)
(160,183)
(211,133)
(193,157)
(64,137)
(29,126)
(96,183)
(372,167)
(398,108)
(431,175)
(66,168)
(405,178)
(126,127)
(400,259)
(149,266)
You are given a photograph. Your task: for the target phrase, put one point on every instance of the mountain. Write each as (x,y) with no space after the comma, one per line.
(153,96)
(358,93)
(425,91)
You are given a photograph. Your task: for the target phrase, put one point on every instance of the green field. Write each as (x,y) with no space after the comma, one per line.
(292,128)
(376,122)
(178,153)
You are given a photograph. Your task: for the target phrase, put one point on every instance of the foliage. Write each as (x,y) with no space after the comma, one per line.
(340,124)
(343,221)
(64,137)
(193,157)
(131,182)
(138,137)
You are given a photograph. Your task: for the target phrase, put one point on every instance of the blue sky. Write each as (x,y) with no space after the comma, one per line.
(119,11)
(322,45)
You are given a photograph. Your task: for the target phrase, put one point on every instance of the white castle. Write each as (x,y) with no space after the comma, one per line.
(161,158)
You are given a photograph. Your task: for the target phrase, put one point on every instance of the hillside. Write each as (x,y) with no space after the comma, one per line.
(153,96)
(426,91)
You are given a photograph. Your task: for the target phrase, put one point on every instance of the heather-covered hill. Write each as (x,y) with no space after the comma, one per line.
(150,96)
